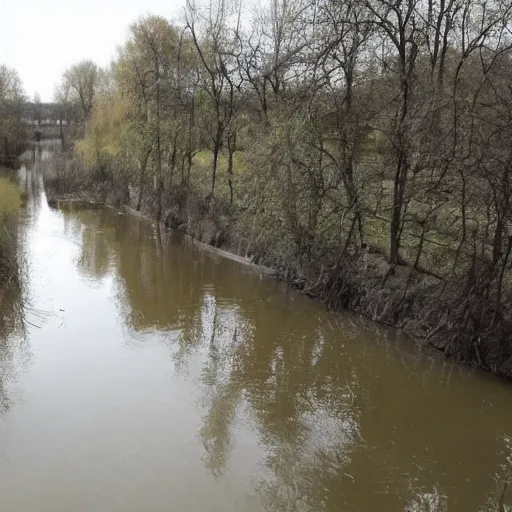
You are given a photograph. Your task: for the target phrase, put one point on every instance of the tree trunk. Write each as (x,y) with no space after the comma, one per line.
(173,161)
(160,183)
(215,159)
(189,141)
(500,280)
(231,152)
(396,215)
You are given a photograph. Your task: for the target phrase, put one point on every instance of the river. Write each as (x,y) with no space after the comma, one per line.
(151,375)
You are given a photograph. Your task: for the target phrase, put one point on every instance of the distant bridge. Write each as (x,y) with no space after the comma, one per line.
(48,113)
(44,120)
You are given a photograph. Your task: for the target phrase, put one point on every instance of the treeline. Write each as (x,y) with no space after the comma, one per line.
(12,130)
(361,147)
(13,138)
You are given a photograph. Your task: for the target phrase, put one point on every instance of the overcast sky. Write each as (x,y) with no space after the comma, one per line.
(40,39)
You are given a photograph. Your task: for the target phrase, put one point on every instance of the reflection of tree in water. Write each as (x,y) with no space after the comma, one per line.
(498,501)
(95,229)
(157,289)
(341,430)
(150,280)
(275,367)
(427,502)
(501,499)
(14,349)
(284,367)
(221,330)
(30,176)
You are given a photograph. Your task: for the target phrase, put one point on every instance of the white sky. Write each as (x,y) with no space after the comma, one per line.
(40,39)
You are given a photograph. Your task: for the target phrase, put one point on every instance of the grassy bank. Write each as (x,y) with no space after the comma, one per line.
(457,315)
(10,203)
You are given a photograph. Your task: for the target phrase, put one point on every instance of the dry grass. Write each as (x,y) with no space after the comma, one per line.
(10,204)
(10,198)
(202,173)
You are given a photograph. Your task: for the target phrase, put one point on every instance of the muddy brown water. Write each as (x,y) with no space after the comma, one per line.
(151,375)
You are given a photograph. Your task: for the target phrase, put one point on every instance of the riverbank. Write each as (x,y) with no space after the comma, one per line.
(244,260)
(453,315)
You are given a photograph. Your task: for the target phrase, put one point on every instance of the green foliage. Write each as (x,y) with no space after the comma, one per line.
(103,136)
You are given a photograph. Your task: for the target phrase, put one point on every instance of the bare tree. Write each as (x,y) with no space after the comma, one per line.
(12,98)
(82,79)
